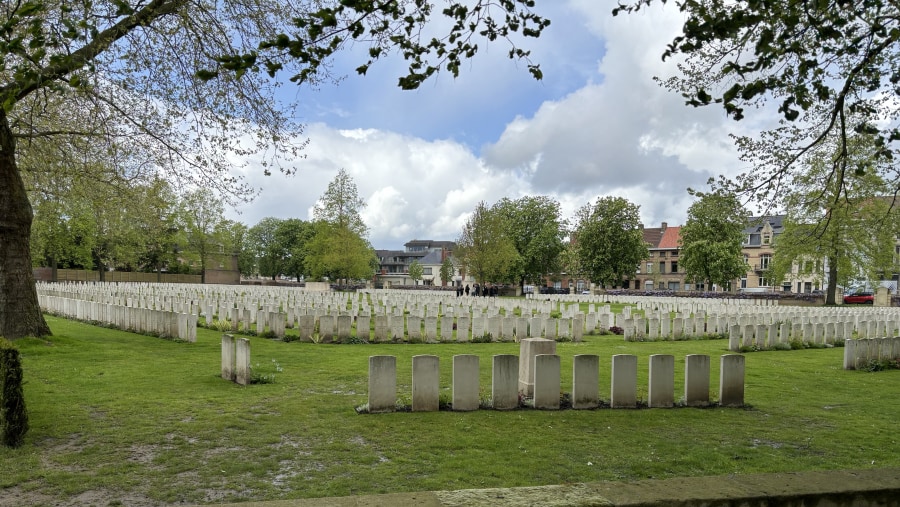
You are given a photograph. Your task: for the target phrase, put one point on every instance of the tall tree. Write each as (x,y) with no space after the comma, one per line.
(201,212)
(712,237)
(415,271)
(294,235)
(94,225)
(485,248)
(269,253)
(849,227)
(157,221)
(339,253)
(537,230)
(233,238)
(608,240)
(830,67)
(129,67)
(143,71)
(341,205)
(446,273)
(338,248)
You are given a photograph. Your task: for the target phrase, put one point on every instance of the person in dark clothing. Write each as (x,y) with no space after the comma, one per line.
(467,289)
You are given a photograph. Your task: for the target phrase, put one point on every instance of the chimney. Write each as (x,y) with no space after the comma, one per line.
(664,225)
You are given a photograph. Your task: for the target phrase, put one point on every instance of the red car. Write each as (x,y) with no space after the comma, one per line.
(862,297)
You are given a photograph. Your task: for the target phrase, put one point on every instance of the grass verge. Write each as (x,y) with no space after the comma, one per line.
(118,418)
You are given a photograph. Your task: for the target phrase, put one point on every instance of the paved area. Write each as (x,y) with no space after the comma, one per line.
(834,488)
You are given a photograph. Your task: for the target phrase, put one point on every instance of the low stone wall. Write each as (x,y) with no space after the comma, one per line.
(82,275)
(222,276)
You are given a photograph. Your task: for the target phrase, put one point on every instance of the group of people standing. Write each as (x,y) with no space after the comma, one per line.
(477,290)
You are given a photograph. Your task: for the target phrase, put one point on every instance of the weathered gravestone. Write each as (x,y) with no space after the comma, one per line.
(425,383)
(382,383)
(465,382)
(528,349)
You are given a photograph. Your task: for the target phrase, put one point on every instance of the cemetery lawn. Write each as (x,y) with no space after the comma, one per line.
(124,419)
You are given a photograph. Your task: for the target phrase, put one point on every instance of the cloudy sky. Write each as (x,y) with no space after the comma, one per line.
(596,125)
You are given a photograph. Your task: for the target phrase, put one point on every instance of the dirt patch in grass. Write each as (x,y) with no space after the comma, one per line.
(548,496)
(143,454)
(17,497)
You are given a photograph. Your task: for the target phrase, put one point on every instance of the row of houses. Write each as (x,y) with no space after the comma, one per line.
(660,271)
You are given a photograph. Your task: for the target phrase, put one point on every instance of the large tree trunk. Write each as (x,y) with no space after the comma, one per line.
(830,295)
(20,314)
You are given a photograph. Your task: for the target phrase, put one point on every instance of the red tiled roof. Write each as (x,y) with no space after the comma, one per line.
(652,236)
(670,238)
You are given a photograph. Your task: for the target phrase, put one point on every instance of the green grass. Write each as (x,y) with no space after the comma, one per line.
(123,417)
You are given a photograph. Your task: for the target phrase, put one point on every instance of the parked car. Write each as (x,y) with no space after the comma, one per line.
(860,297)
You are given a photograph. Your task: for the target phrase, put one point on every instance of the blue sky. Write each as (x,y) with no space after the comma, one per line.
(472,109)
(596,125)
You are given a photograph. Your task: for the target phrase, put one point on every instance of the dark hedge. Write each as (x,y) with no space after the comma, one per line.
(13,416)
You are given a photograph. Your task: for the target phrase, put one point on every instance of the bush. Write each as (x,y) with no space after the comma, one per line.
(220,325)
(616,330)
(485,338)
(13,416)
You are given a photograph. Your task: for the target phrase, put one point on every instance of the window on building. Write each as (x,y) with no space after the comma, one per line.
(786,287)
(662,254)
(580,285)
(744,282)
(766,239)
(673,285)
(649,268)
(763,281)
(662,267)
(557,285)
(674,266)
(764,261)
(807,287)
(426,271)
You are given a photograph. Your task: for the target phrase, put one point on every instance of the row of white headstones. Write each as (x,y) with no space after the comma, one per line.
(168,310)
(533,375)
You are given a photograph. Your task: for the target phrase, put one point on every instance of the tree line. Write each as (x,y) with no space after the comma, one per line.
(837,235)
(148,226)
